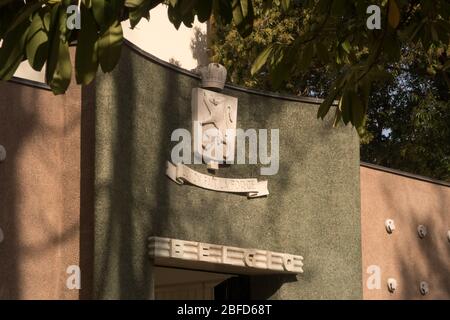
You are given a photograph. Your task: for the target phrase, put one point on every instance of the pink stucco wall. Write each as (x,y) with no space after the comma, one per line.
(402,255)
(39,191)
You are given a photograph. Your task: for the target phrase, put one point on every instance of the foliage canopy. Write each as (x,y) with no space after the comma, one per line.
(331,34)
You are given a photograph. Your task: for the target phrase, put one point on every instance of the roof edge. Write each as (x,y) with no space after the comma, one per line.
(30,83)
(194,75)
(404,174)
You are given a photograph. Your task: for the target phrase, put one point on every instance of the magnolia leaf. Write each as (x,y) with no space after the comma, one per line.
(133,3)
(337,117)
(345,105)
(346,46)
(24,14)
(174,16)
(37,42)
(243,22)
(326,104)
(98,10)
(59,68)
(285,4)
(186,7)
(86,58)
(244,7)
(261,59)
(357,110)
(12,51)
(135,14)
(204,9)
(87,3)
(109,47)
(394,14)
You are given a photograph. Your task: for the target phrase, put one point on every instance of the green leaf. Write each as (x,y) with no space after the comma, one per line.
(87,3)
(24,14)
(393,14)
(346,46)
(285,4)
(345,106)
(244,7)
(37,42)
(133,3)
(357,110)
(174,16)
(326,104)
(59,68)
(86,58)
(281,71)
(135,14)
(98,9)
(109,47)
(12,51)
(244,23)
(186,7)
(261,59)
(204,9)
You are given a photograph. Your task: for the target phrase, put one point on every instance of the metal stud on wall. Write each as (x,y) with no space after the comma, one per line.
(424,288)
(392,285)
(390,225)
(2,153)
(2,158)
(422,231)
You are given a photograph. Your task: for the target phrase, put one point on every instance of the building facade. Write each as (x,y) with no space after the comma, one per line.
(89,212)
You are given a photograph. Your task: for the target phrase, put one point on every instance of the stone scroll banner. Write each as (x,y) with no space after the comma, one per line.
(251,187)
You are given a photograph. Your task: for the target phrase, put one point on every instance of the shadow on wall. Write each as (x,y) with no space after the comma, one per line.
(87,189)
(138,107)
(9,193)
(33,129)
(426,259)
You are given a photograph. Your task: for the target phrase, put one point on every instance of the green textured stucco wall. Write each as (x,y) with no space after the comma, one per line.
(313,208)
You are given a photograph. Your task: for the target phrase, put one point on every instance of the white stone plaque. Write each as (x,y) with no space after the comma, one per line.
(214,117)
(205,256)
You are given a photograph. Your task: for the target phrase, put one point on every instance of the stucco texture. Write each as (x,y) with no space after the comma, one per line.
(402,255)
(39,191)
(312,210)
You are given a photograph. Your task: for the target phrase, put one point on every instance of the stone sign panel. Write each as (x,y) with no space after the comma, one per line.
(219,258)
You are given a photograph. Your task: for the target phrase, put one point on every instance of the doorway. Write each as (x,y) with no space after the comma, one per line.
(186,284)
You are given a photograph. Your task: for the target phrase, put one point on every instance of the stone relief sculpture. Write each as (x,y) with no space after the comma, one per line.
(214,119)
(214,115)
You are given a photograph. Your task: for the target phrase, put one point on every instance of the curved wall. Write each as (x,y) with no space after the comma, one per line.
(313,208)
